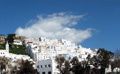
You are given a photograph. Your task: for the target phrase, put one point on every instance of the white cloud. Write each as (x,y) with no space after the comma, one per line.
(57,25)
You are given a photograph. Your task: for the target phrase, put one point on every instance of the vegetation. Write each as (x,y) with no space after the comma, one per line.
(116,62)
(83,67)
(4,62)
(26,67)
(19,67)
(104,58)
(10,38)
(2,46)
(61,60)
(17,49)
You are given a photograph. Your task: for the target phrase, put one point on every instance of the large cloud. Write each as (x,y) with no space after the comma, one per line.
(57,25)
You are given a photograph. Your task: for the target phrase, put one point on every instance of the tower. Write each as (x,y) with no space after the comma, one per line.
(7,47)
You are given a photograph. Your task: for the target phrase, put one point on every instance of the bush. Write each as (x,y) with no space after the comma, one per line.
(2,46)
(17,49)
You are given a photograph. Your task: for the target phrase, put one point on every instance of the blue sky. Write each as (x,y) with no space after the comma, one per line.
(101,15)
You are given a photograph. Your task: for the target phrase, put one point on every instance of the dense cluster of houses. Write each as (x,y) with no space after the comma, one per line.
(13,59)
(44,51)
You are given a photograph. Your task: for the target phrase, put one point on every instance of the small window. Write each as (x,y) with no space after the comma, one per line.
(49,72)
(38,66)
(49,65)
(43,72)
(45,65)
(41,66)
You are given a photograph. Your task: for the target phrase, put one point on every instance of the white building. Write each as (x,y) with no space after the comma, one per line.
(45,66)
(108,70)
(44,51)
(13,57)
(17,42)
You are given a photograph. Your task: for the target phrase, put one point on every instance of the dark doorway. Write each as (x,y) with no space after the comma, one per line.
(43,72)
(49,72)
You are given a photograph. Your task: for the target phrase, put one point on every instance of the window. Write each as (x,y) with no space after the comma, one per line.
(45,65)
(41,66)
(49,72)
(38,66)
(43,72)
(49,65)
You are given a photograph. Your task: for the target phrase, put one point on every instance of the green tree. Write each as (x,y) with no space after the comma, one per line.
(10,38)
(77,66)
(116,59)
(104,58)
(63,65)
(3,64)
(26,67)
(74,61)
